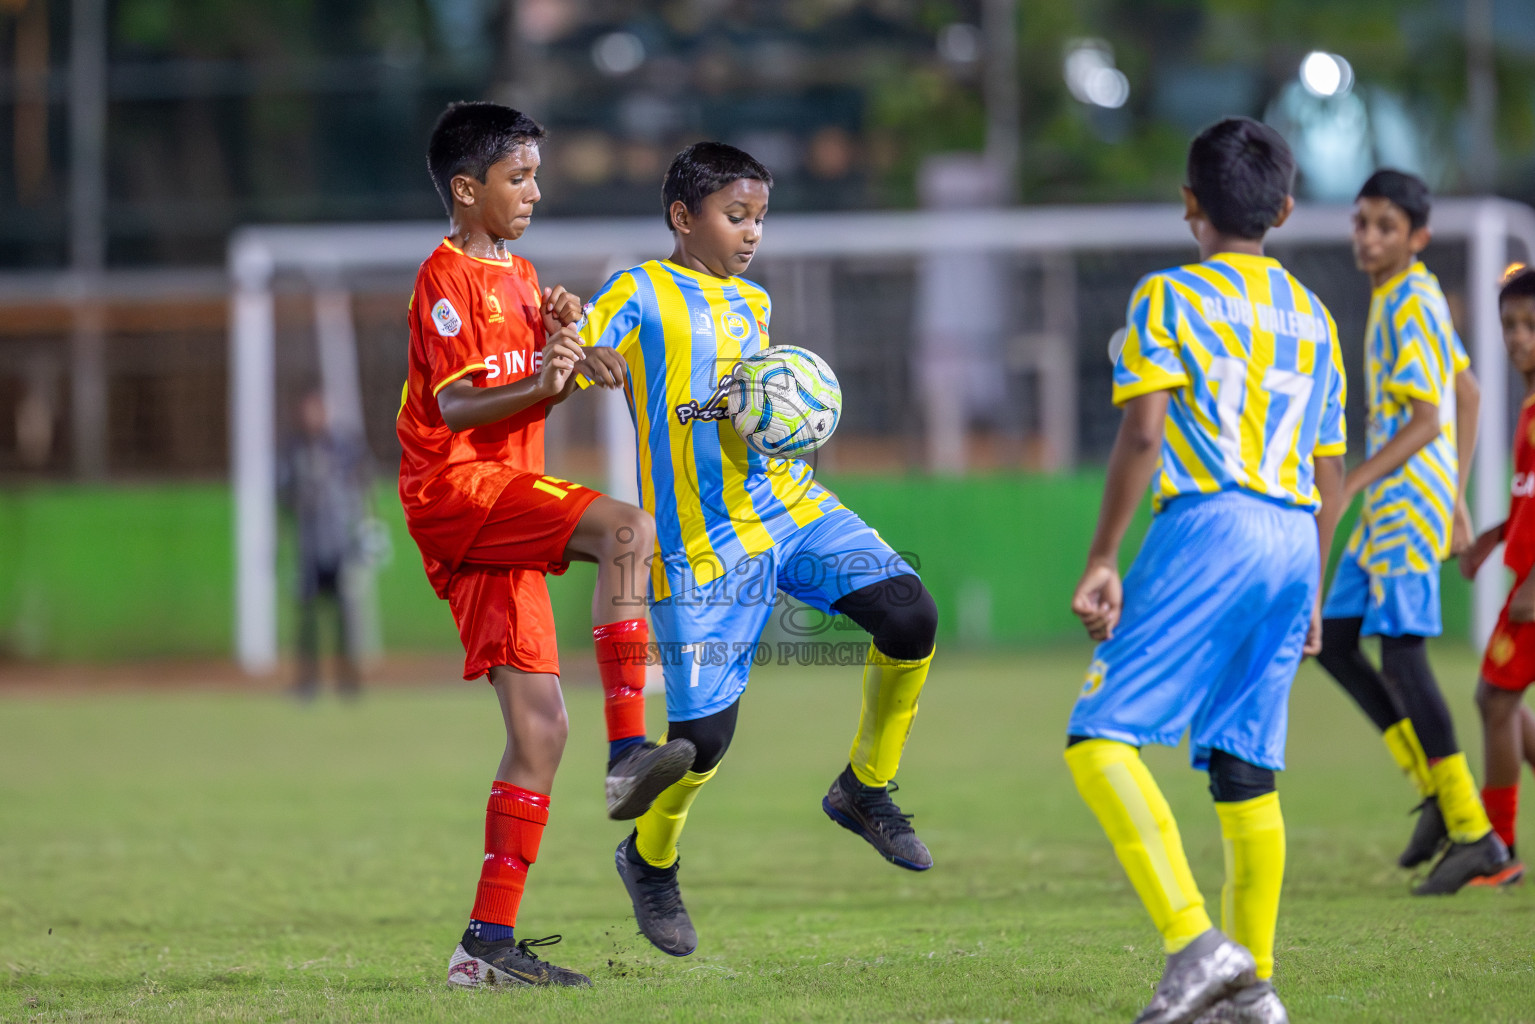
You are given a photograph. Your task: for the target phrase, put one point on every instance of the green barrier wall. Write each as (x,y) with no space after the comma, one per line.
(105,573)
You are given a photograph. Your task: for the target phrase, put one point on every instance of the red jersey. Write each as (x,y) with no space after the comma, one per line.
(481,320)
(1519,533)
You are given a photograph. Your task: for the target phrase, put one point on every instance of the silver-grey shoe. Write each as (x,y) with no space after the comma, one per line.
(636,779)
(1204,972)
(1256,1004)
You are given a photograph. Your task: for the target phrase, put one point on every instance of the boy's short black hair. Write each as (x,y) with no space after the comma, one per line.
(703,169)
(1519,285)
(1407,192)
(1241,172)
(469,137)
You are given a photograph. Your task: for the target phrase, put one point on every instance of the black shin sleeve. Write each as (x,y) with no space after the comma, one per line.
(1233,780)
(1346,663)
(710,735)
(898,613)
(1404,659)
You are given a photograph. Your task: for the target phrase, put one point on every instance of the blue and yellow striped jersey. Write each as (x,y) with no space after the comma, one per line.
(1411,351)
(1251,357)
(716,502)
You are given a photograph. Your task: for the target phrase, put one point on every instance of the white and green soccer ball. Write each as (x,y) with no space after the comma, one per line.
(784,401)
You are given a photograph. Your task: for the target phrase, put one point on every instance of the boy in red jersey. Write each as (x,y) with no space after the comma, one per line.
(490,352)
(1508,726)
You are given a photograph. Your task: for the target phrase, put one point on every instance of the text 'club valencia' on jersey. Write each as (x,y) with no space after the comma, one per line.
(1251,358)
(480,320)
(716,502)
(1411,351)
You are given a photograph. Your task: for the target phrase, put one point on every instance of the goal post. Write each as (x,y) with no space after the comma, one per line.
(321,259)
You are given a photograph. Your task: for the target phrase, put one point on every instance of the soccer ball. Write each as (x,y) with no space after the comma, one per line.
(784,401)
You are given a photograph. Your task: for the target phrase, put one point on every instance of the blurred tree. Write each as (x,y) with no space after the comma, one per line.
(1189,62)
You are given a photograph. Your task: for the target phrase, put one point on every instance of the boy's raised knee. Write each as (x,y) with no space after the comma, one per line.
(910,629)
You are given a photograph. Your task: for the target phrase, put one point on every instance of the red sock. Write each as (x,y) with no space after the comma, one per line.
(621,651)
(1502,806)
(514,824)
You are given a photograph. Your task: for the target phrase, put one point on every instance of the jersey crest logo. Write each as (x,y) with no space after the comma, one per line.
(494,305)
(1095,675)
(734,326)
(445,319)
(712,408)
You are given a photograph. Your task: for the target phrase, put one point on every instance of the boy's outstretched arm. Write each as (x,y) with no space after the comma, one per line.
(1468,407)
(463,405)
(1479,550)
(1329,485)
(1393,455)
(1099,596)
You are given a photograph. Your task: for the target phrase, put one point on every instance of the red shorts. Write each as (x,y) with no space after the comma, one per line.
(498,595)
(1509,663)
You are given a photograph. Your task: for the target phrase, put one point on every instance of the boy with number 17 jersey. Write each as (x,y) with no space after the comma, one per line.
(1232,390)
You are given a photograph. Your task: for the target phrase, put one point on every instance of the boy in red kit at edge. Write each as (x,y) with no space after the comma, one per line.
(490,353)
(1508,669)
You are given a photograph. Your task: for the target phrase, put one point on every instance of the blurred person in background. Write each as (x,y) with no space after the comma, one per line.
(324,484)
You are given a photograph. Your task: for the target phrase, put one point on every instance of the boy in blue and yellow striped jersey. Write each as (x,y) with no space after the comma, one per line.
(1423,404)
(734,528)
(1232,390)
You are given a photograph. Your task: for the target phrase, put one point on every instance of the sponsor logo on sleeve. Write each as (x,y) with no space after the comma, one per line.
(445,319)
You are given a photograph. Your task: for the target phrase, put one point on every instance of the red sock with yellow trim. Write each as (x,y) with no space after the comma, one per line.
(514,825)
(622,648)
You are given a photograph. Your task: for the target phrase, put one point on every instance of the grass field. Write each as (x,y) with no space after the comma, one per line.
(215,856)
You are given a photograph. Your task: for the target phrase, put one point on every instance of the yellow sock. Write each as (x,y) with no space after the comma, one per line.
(1115,783)
(1402,740)
(1459,802)
(1252,832)
(890,690)
(658,829)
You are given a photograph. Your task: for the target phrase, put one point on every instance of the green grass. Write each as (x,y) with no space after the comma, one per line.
(219,856)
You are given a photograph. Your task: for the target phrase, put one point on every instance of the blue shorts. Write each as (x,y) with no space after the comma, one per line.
(707,637)
(1403,605)
(1216,610)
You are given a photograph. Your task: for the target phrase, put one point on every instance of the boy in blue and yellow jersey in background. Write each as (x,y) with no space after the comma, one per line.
(1423,405)
(1232,390)
(734,528)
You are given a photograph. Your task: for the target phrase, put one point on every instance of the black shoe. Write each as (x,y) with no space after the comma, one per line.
(644,770)
(657,901)
(1463,862)
(1511,873)
(1428,835)
(475,963)
(869,812)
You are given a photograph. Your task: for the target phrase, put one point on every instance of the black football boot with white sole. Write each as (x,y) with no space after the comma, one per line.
(476,963)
